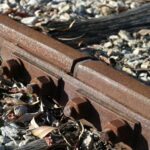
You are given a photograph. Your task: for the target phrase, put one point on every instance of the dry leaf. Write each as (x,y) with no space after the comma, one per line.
(42,131)
(12,101)
(33,124)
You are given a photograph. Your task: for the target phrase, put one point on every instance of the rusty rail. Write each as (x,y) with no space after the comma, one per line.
(75,80)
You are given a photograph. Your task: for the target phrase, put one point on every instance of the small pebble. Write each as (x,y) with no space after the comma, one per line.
(108,44)
(143,76)
(145,65)
(128,70)
(124,35)
(105,10)
(113,37)
(29,20)
(65,17)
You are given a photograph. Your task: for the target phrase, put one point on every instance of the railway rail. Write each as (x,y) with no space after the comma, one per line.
(78,82)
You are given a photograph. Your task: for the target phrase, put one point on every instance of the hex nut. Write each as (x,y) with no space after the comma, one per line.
(40,85)
(75,107)
(121,130)
(11,68)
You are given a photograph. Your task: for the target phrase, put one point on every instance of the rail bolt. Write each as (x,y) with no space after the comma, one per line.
(40,85)
(77,107)
(11,68)
(119,130)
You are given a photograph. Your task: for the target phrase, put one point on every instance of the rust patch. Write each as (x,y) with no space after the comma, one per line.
(116,85)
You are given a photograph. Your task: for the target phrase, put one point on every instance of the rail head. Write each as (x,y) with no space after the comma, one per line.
(40,45)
